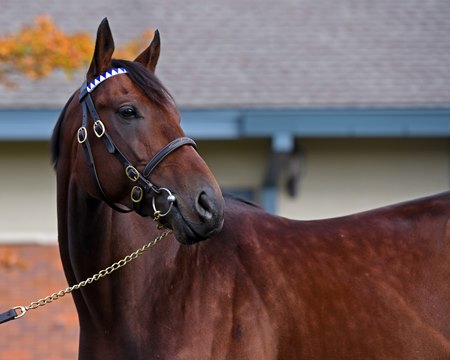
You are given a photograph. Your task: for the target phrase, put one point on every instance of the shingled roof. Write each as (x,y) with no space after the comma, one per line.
(266,54)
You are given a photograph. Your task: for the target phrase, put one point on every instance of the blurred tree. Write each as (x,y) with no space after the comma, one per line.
(38,49)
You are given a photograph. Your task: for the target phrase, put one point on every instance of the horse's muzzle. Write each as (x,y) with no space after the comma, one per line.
(204,218)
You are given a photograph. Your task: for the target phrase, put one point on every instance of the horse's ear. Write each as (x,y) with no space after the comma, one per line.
(149,57)
(104,48)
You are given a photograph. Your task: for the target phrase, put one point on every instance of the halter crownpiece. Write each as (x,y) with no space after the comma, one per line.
(106,75)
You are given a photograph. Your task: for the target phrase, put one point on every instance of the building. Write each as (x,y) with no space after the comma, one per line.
(312,108)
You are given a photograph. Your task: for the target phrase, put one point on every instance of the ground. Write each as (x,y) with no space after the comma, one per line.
(29,273)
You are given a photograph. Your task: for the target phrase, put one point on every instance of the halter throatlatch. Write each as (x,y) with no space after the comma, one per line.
(140,179)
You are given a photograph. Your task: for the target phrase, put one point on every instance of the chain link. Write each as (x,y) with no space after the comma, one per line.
(102,273)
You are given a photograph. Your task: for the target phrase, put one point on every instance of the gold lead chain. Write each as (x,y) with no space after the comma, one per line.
(102,273)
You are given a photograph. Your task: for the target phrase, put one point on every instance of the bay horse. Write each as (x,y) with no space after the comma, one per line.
(232,282)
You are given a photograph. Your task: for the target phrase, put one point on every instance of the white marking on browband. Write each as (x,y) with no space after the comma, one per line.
(98,80)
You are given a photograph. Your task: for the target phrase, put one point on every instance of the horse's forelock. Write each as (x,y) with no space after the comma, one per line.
(146,81)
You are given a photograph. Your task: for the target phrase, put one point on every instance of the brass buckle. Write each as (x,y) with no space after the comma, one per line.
(99,128)
(82,135)
(132,173)
(138,192)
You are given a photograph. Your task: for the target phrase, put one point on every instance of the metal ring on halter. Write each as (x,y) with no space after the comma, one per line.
(170,199)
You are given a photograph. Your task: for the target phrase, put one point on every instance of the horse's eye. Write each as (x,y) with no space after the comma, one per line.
(127,112)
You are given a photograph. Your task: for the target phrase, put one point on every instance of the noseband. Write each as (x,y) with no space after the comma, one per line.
(140,179)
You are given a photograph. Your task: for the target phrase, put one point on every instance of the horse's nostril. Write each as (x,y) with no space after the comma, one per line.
(204,206)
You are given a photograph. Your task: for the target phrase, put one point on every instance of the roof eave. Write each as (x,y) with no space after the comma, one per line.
(213,124)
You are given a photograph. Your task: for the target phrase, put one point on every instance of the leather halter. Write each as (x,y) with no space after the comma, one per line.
(143,185)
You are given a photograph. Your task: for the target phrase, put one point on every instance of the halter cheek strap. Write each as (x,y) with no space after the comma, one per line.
(143,185)
(82,137)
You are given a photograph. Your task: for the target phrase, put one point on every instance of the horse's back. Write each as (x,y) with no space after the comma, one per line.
(373,285)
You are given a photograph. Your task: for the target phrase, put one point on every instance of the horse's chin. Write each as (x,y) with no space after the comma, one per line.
(188,233)
(185,231)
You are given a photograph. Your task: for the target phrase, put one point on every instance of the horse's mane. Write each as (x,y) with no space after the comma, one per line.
(54,141)
(141,76)
(239,199)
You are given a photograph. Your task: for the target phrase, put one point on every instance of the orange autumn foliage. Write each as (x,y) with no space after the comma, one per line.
(37,50)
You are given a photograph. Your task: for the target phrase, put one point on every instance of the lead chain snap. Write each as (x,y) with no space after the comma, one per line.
(22,311)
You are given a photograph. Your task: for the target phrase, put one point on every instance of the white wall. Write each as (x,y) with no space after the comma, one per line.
(27,192)
(351,175)
(237,163)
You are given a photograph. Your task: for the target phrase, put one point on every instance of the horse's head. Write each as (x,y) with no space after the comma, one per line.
(126,130)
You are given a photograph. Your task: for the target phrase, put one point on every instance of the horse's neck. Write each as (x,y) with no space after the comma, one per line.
(92,237)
